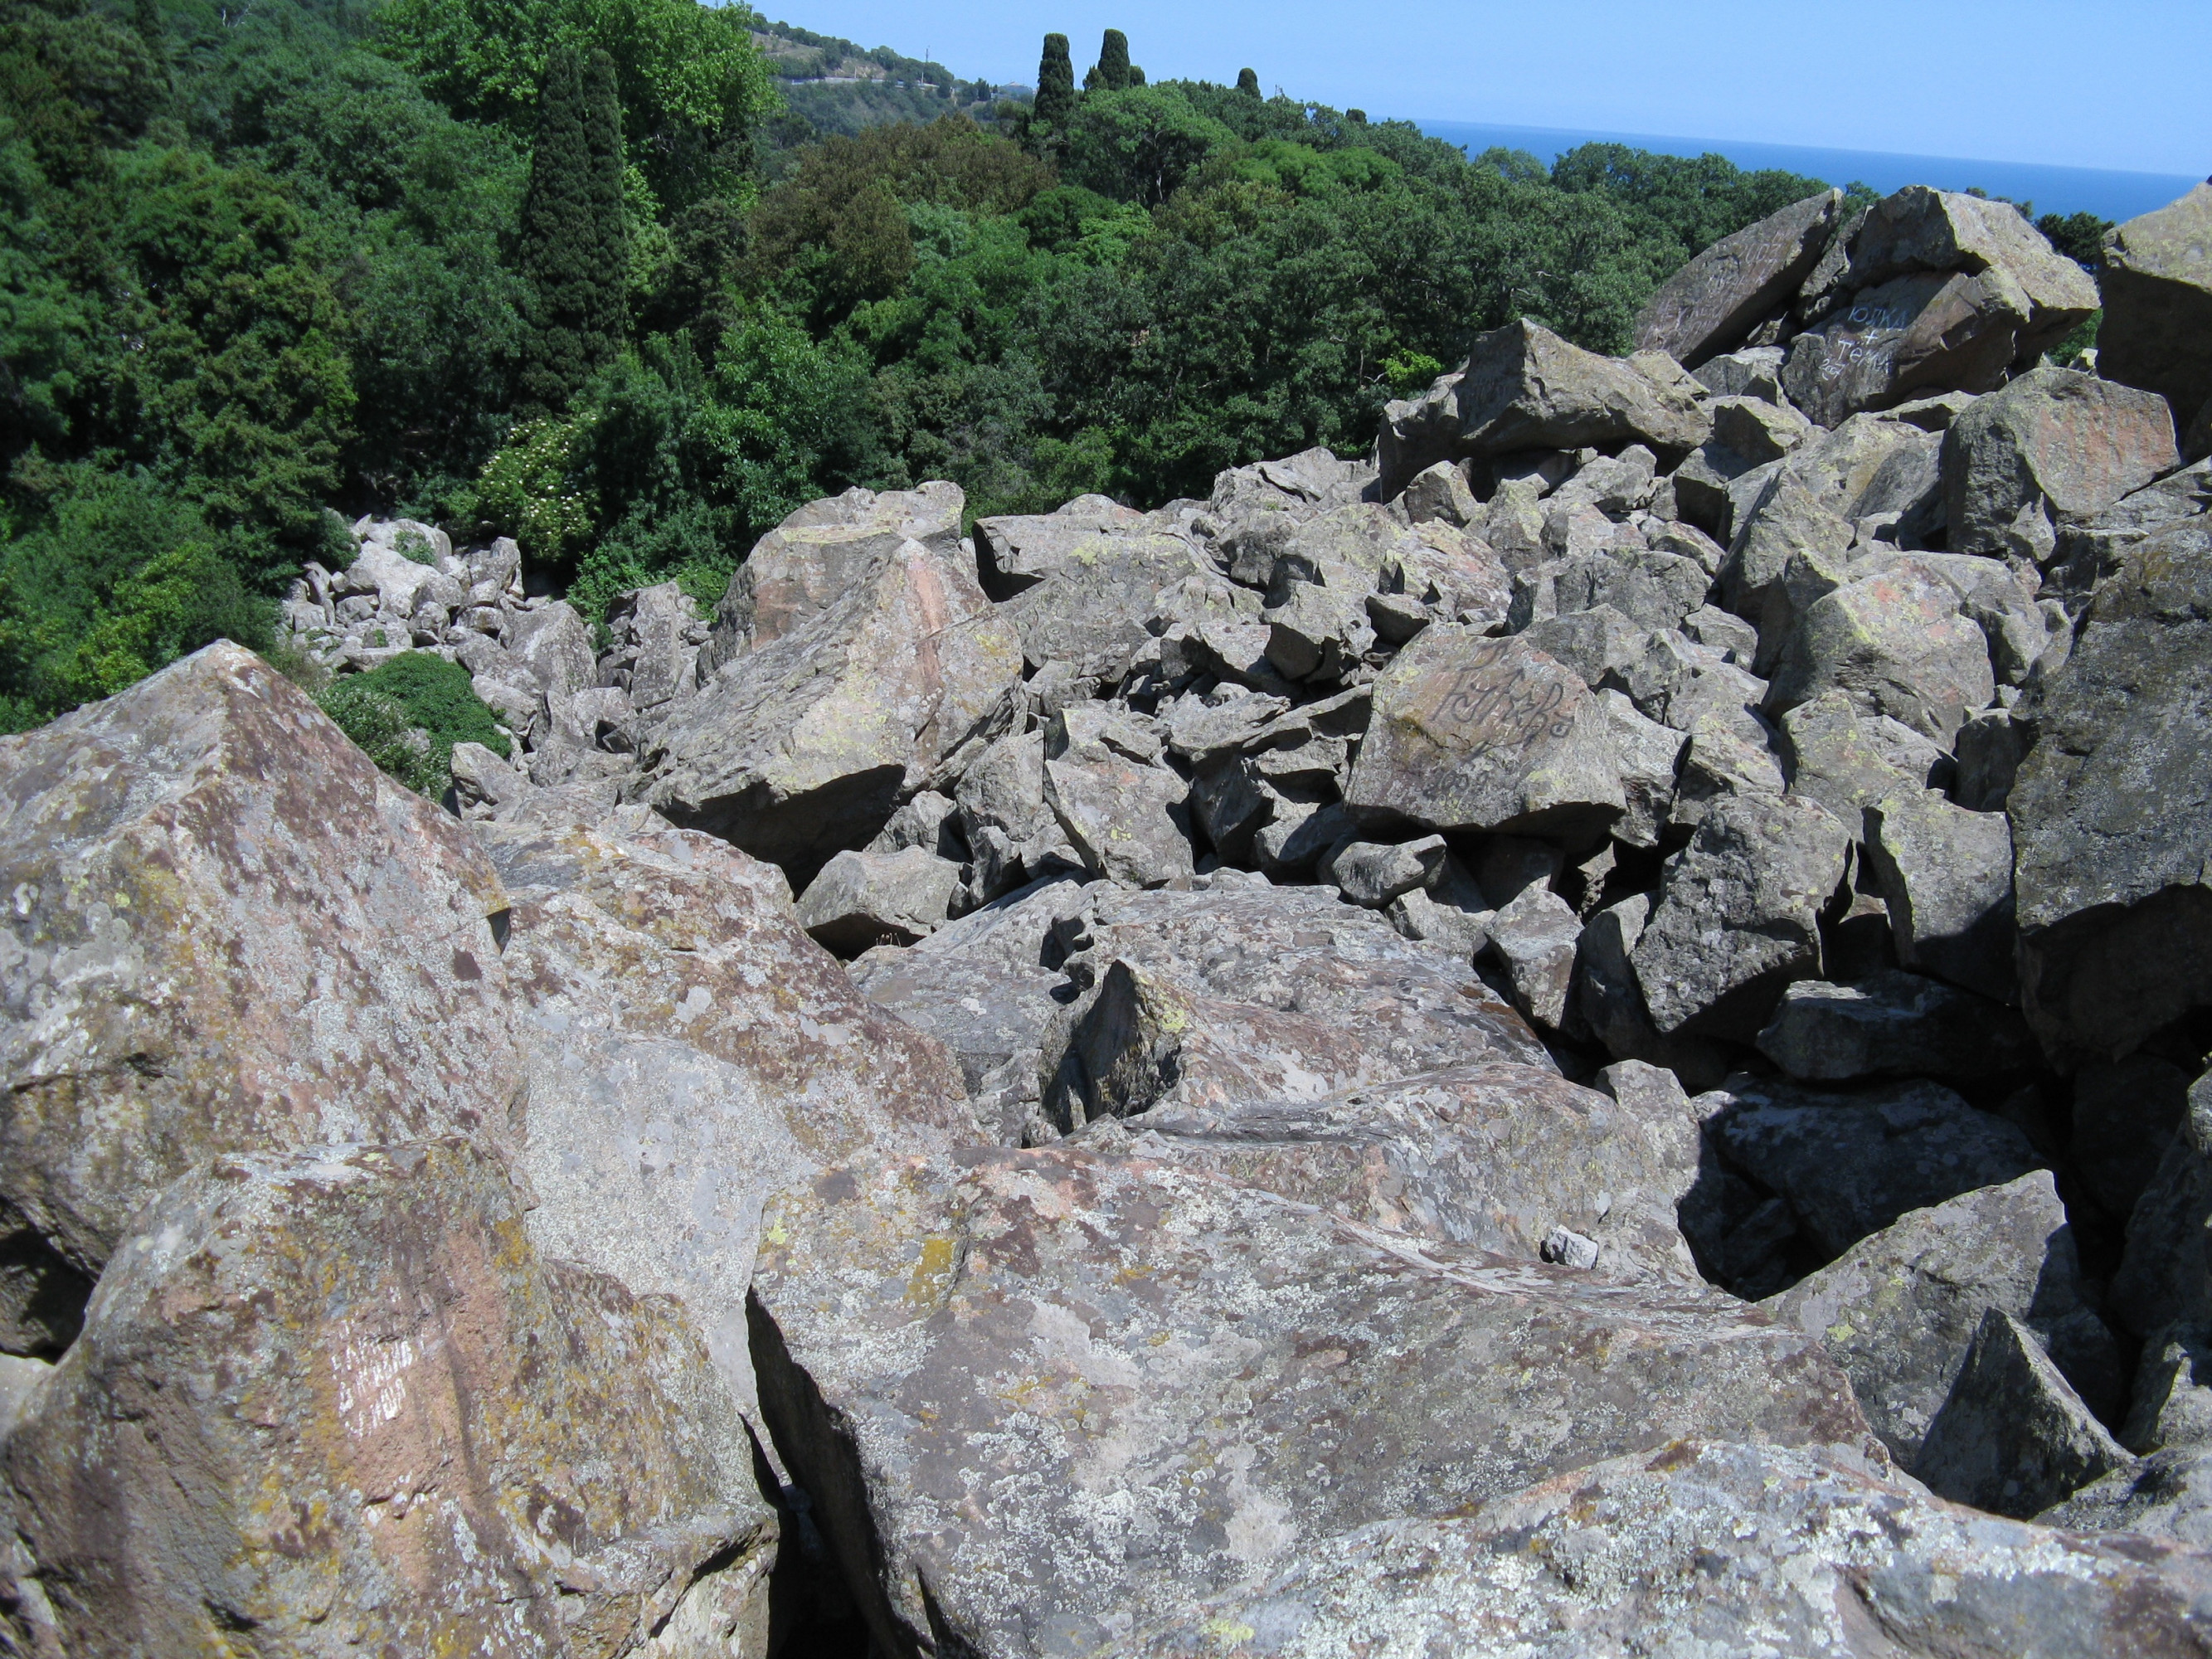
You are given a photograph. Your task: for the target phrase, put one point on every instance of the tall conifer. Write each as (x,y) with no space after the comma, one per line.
(1248,82)
(574,246)
(1055,93)
(1114,61)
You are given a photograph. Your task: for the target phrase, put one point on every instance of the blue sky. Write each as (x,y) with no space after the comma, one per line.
(2119,84)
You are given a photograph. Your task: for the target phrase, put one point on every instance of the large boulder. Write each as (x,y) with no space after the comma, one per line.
(803,745)
(1526,388)
(2054,445)
(1086,604)
(2157,327)
(228,933)
(1038,1397)
(1704,1549)
(1739,915)
(1945,877)
(863,899)
(808,563)
(1477,733)
(1900,1310)
(1493,1154)
(333,1400)
(1711,304)
(2111,810)
(1241,991)
(1931,330)
(1920,229)
(1892,1024)
(690,1049)
(1896,642)
(1014,552)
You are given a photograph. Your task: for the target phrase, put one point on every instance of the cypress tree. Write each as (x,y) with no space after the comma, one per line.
(1055,93)
(1248,81)
(1114,61)
(1136,75)
(574,246)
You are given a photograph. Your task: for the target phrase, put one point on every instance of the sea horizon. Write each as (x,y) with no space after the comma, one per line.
(2110,193)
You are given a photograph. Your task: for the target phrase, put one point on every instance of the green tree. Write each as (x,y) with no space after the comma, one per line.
(1248,82)
(571,248)
(2079,236)
(1055,89)
(1111,72)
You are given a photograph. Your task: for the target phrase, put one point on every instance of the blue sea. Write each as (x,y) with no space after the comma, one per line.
(2115,196)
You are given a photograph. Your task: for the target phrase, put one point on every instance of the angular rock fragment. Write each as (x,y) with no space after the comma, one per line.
(1088,606)
(1073,1306)
(1526,388)
(803,745)
(1738,917)
(2012,1437)
(1900,1310)
(1897,644)
(2111,810)
(1713,302)
(2054,445)
(334,1397)
(864,899)
(1014,552)
(1534,937)
(2165,1275)
(2157,282)
(1848,760)
(1373,873)
(1937,329)
(1128,821)
(229,932)
(1472,733)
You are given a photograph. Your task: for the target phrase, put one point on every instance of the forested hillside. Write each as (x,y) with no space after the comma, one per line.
(513,268)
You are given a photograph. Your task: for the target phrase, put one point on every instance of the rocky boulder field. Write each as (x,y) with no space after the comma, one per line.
(1585,1036)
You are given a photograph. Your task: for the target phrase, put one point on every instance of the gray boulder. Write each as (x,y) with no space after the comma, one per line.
(2166,1273)
(2157,328)
(1896,643)
(1848,760)
(1893,1024)
(1014,552)
(2053,446)
(1534,938)
(1494,1156)
(1090,608)
(1130,821)
(819,554)
(1940,330)
(865,899)
(1709,1549)
(1850,1165)
(1946,875)
(1366,1376)
(1900,1310)
(2013,1437)
(355,1438)
(229,932)
(2112,812)
(1475,734)
(2167,1496)
(1526,388)
(1738,917)
(802,745)
(1751,372)
(1713,302)
(1373,873)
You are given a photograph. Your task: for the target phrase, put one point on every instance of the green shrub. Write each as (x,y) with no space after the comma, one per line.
(407,715)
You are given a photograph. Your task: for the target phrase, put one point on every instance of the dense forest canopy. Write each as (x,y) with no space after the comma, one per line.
(268,266)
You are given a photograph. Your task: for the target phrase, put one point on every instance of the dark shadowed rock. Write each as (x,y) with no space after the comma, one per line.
(2111,810)
(2125,1115)
(2157,328)
(921,1322)
(335,1399)
(1945,875)
(228,933)
(1850,1165)
(1900,1308)
(1706,1549)
(1893,1024)
(1713,302)
(2013,1437)
(2165,1275)
(1929,331)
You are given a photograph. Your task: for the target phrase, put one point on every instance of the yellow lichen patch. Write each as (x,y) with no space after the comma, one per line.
(1229,1633)
(933,1272)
